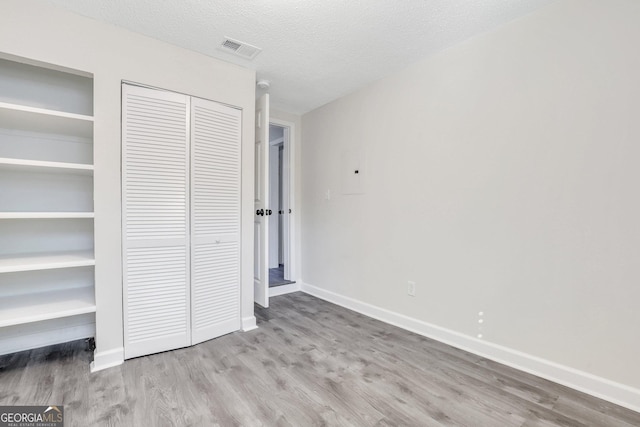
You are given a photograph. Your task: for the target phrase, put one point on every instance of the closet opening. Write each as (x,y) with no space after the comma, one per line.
(279,259)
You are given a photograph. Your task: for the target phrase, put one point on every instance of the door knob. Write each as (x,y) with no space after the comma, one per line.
(260,212)
(269,212)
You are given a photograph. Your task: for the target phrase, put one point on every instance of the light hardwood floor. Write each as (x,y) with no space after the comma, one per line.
(311,363)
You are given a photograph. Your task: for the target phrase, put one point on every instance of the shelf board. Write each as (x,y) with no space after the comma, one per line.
(45,111)
(43,166)
(28,308)
(15,116)
(46,261)
(46,215)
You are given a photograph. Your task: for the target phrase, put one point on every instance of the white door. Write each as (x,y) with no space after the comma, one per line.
(155,240)
(215,219)
(261,223)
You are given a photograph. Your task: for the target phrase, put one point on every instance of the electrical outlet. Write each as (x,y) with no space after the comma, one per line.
(411,288)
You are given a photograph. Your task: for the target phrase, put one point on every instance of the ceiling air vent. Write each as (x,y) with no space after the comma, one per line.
(239,48)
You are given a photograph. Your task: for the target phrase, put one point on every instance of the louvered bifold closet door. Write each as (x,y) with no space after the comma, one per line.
(215,219)
(155,187)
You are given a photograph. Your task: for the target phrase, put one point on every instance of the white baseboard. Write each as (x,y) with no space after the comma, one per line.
(602,388)
(107,359)
(284,289)
(249,323)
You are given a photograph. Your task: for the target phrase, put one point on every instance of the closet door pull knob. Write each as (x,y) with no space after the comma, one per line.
(269,211)
(260,212)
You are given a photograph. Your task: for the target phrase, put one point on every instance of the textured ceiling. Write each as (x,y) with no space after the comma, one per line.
(313,51)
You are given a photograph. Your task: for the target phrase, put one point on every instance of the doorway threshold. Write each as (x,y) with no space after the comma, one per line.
(285,282)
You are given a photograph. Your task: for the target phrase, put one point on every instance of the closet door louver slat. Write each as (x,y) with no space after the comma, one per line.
(215,219)
(155,188)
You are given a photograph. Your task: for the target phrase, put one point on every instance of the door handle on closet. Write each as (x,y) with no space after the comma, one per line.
(268,212)
(260,212)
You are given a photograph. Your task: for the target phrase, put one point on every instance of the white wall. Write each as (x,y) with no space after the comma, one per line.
(501,176)
(41,32)
(275,132)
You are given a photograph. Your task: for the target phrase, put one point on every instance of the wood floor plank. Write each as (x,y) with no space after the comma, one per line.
(354,361)
(11,373)
(439,383)
(310,363)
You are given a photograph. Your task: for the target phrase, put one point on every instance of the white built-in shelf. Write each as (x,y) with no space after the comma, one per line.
(46,215)
(46,147)
(28,308)
(43,166)
(46,261)
(44,120)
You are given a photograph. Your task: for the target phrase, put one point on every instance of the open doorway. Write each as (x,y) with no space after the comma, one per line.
(279,259)
(273,210)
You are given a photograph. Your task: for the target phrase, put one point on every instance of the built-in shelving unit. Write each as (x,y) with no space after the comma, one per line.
(46,202)
(42,166)
(27,308)
(45,120)
(45,215)
(46,261)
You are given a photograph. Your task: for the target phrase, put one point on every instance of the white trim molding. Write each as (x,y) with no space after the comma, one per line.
(585,382)
(249,324)
(107,359)
(284,289)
